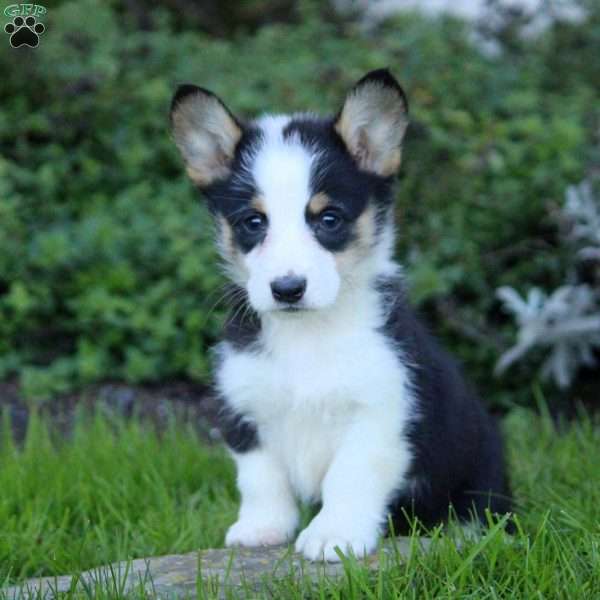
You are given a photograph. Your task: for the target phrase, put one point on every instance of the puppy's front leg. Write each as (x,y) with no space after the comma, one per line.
(369,466)
(268,512)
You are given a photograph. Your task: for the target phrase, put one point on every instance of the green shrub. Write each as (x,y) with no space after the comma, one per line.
(107,268)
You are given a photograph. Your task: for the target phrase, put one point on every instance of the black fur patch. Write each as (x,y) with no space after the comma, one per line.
(240,435)
(243,325)
(241,330)
(458,454)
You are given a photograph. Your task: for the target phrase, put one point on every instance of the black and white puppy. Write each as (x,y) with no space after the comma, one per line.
(332,391)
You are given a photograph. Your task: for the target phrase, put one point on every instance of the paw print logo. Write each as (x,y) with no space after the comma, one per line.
(24,32)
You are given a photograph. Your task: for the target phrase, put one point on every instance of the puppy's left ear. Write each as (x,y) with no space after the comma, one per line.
(372,122)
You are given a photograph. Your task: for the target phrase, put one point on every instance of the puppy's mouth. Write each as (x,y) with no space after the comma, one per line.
(292,308)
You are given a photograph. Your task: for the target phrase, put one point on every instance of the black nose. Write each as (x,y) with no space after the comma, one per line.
(288,289)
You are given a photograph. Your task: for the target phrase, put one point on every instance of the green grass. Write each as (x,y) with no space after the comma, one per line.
(112,491)
(119,490)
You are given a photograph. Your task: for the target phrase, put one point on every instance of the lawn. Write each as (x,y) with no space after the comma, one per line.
(118,490)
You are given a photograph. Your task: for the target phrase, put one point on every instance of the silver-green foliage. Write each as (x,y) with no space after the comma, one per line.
(565,322)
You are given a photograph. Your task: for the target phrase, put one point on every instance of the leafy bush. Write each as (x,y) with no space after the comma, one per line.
(107,269)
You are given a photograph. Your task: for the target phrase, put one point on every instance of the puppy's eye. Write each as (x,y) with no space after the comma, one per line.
(255,223)
(330,220)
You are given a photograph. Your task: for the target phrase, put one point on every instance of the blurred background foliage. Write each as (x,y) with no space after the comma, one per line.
(107,268)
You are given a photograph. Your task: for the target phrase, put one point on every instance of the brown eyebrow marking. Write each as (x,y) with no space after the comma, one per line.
(317,203)
(258,204)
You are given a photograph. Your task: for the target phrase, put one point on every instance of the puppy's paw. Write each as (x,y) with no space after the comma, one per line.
(320,539)
(260,532)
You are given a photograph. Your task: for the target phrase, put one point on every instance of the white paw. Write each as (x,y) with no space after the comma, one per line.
(257,532)
(321,538)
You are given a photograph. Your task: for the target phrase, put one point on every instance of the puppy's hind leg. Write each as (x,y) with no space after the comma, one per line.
(488,488)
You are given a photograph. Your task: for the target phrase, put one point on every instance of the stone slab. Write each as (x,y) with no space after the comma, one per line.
(177,576)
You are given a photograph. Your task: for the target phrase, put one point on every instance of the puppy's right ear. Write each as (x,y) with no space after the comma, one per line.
(205,132)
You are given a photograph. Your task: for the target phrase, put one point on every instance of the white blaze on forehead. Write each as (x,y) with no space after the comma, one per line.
(282,168)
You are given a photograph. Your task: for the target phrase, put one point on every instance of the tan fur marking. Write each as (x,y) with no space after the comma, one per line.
(226,245)
(258,204)
(361,246)
(365,227)
(317,203)
(391,164)
(234,264)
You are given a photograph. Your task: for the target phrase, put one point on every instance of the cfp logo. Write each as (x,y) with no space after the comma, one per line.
(24,29)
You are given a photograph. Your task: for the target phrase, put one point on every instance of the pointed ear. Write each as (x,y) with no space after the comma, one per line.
(372,122)
(205,132)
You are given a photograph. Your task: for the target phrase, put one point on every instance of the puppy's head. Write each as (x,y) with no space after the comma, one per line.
(302,203)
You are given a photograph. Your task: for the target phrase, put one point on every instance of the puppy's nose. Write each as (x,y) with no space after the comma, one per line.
(288,289)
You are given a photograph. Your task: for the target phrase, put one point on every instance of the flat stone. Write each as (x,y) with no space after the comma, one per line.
(177,576)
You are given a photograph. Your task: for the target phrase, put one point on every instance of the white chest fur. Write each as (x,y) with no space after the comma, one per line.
(307,382)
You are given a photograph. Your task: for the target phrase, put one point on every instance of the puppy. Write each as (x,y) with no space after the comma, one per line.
(332,391)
